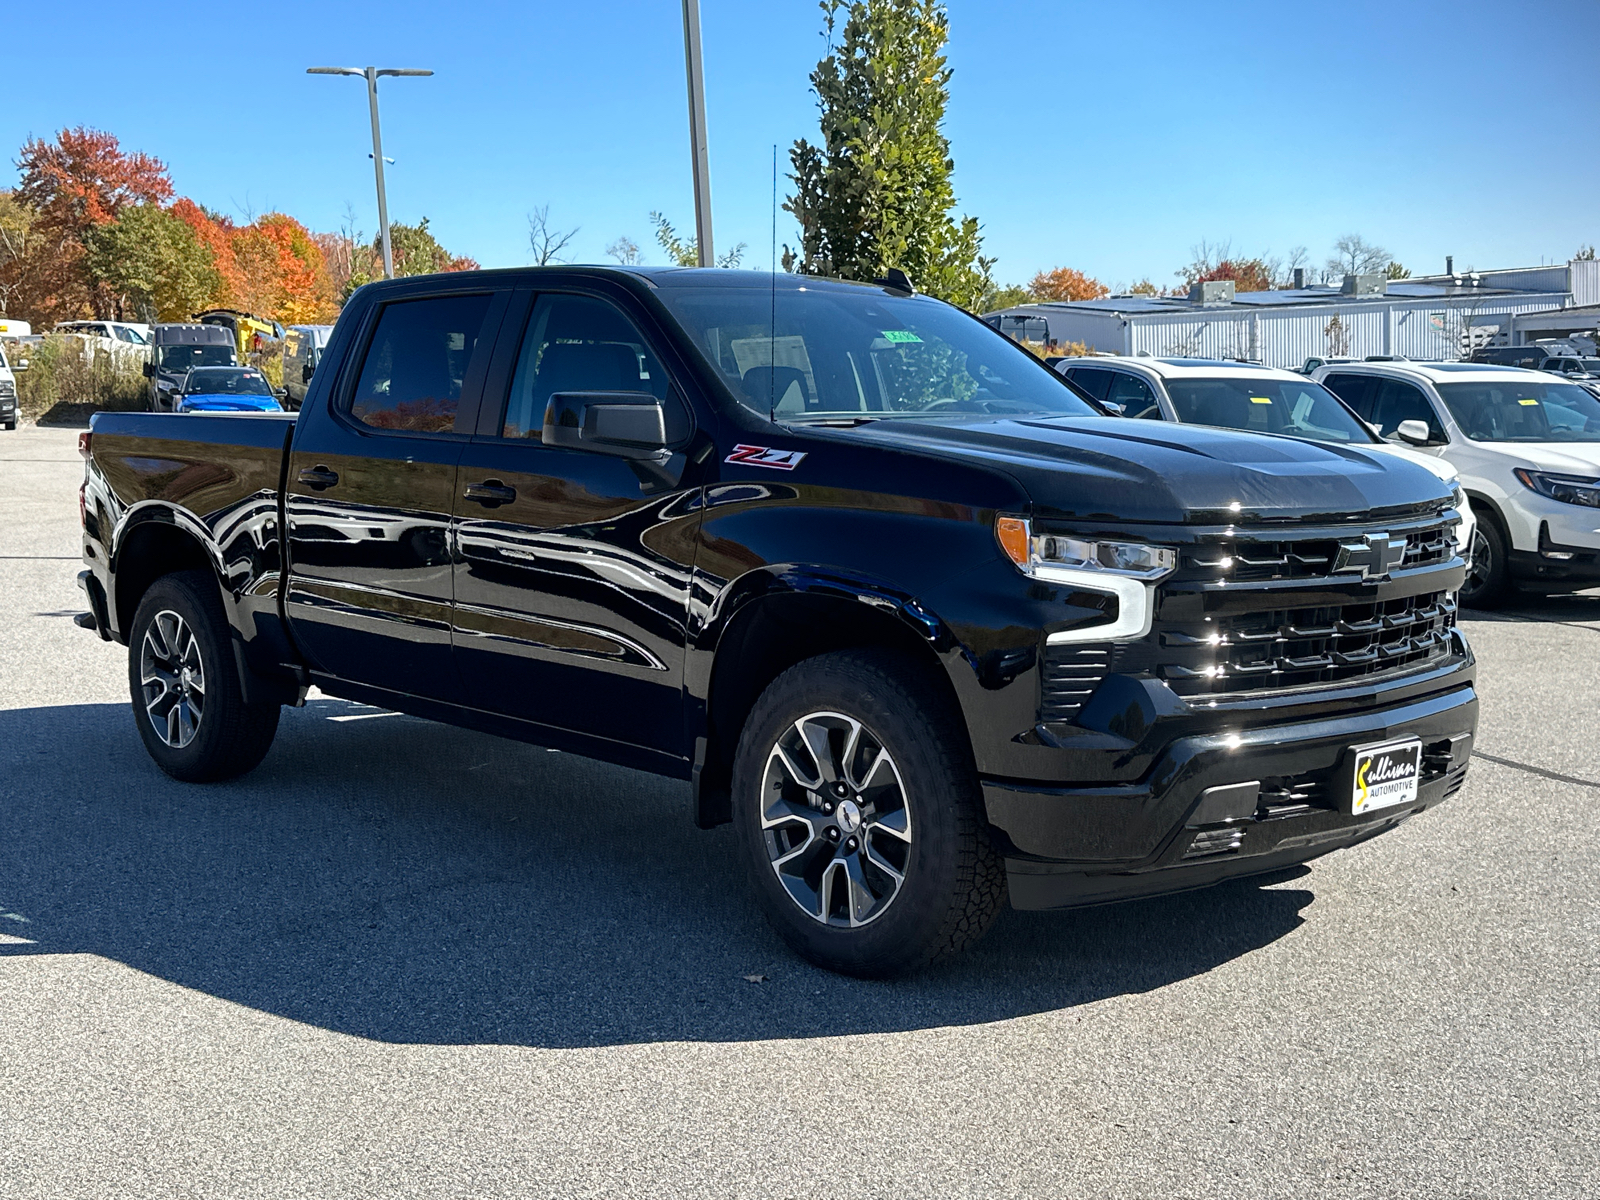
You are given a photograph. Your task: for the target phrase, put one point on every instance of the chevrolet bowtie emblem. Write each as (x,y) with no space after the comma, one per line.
(1374,556)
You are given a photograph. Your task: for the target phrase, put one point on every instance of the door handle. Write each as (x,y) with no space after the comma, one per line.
(318,477)
(491,493)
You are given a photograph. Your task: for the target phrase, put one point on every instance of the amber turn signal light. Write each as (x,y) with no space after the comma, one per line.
(1013,535)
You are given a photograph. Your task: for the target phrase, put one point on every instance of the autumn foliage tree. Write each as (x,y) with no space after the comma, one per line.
(1066,283)
(73,186)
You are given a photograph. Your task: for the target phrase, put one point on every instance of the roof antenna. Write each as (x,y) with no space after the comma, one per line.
(772,329)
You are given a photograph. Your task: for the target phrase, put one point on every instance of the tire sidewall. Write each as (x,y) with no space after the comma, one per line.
(181,594)
(896,940)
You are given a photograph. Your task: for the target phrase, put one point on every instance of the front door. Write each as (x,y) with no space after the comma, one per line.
(370,487)
(573,567)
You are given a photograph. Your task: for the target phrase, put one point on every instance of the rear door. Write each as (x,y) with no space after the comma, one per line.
(371,482)
(573,567)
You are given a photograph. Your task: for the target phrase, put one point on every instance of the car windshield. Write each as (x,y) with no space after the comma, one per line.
(831,353)
(1591,365)
(185,355)
(1298,408)
(1514,410)
(226,381)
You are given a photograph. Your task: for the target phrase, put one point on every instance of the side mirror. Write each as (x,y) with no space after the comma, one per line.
(305,373)
(1115,409)
(1415,432)
(148,370)
(624,424)
(281,392)
(20,365)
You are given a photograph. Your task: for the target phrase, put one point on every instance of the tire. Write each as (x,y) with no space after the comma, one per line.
(1488,582)
(187,700)
(10,425)
(822,845)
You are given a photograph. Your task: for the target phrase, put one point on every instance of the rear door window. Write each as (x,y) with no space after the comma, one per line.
(417,363)
(1094,380)
(1355,390)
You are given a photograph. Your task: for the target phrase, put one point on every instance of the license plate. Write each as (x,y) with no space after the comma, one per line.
(1385,775)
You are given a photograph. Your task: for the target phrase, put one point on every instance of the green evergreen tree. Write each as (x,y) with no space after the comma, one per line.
(876,193)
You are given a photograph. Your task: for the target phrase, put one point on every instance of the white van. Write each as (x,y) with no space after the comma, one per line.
(8,382)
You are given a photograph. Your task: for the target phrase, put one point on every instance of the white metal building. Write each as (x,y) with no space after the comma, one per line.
(1428,319)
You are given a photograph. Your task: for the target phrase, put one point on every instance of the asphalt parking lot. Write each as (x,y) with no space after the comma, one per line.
(405,960)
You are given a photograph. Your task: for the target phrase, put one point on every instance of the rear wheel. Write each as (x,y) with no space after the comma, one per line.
(859,817)
(1488,579)
(187,699)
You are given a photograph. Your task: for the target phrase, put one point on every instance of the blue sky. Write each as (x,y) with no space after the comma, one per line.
(1108,137)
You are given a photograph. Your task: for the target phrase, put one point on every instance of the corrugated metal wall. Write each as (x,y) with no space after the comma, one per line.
(1286,337)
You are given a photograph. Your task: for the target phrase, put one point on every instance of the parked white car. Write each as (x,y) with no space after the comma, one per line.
(1256,399)
(1527,445)
(123,339)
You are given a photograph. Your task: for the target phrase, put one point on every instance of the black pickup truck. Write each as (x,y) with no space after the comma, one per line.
(925,624)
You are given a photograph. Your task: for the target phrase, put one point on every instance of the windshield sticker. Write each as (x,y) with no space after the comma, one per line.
(900,335)
(1260,399)
(765,456)
(1528,403)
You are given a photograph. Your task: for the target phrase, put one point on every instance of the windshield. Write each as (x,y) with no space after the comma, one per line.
(1516,411)
(226,381)
(1298,408)
(1591,365)
(185,355)
(858,353)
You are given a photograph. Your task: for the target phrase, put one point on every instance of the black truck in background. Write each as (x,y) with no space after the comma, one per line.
(925,624)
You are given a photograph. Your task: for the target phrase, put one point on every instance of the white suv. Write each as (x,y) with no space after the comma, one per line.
(1247,396)
(1527,445)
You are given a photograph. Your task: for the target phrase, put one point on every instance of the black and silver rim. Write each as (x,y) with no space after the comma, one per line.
(836,820)
(1482,565)
(173,679)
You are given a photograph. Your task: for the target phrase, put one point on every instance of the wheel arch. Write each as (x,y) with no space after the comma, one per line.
(780,617)
(155,540)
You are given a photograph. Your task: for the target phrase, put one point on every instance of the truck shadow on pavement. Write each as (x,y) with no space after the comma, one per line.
(393,879)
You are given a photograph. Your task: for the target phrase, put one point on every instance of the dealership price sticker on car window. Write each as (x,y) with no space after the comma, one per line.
(1260,399)
(900,335)
(1385,775)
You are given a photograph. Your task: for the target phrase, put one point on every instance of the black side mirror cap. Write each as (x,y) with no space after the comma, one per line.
(305,373)
(149,370)
(624,424)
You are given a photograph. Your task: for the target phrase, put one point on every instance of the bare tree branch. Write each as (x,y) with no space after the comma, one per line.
(545,243)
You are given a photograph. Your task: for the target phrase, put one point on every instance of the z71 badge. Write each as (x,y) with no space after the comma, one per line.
(764,456)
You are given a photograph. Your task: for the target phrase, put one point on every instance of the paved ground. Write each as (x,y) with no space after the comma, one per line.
(448,966)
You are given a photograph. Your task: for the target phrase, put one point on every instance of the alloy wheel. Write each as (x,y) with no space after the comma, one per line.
(836,820)
(1481,569)
(173,679)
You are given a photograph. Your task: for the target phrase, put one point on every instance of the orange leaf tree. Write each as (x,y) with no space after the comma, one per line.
(1065,283)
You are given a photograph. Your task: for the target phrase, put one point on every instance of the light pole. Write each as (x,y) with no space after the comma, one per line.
(371,75)
(698,152)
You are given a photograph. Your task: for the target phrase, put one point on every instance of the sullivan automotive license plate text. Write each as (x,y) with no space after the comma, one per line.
(1385,775)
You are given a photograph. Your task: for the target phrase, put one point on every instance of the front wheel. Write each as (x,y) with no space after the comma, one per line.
(187,699)
(1488,579)
(860,818)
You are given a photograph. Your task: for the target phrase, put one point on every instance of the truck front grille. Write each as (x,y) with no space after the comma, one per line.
(1284,648)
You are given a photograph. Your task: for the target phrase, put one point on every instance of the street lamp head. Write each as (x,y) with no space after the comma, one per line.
(334,71)
(403,71)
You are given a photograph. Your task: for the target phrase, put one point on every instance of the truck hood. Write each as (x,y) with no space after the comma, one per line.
(1118,469)
(225,402)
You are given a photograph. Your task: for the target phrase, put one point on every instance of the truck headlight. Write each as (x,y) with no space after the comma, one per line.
(1126,570)
(1568,489)
(1035,553)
